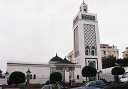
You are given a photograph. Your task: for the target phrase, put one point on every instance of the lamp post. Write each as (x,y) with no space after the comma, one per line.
(6,75)
(99,72)
(28,76)
(1,74)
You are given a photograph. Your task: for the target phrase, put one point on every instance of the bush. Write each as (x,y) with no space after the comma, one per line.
(118,86)
(116,71)
(16,77)
(55,76)
(48,82)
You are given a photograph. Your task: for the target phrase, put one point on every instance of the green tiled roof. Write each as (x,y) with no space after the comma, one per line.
(56,58)
(65,61)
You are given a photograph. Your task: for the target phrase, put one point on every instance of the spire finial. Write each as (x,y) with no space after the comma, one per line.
(83,1)
(56,54)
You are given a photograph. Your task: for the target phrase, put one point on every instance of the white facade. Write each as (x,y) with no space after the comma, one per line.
(42,70)
(86,39)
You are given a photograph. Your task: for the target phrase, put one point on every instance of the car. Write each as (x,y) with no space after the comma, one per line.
(124,77)
(99,84)
(50,86)
(46,87)
(59,86)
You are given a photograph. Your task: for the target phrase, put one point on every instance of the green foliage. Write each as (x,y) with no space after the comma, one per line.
(89,71)
(48,82)
(108,62)
(16,77)
(9,82)
(55,76)
(117,70)
(122,62)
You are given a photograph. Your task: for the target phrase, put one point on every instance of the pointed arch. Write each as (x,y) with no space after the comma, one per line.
(93,50)
(87,50)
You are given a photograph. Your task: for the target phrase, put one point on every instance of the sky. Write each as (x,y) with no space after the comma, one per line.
(35,30)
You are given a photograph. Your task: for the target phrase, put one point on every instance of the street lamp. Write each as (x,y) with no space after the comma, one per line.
(1,74)
(99,72)
(6,74)
(28,75)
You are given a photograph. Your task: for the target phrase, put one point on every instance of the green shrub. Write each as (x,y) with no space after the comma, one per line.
(48,82)
(118,86)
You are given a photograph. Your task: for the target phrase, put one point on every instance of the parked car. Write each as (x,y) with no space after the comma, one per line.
(46,87)
(124,77)
(93,85)
(59,86)
(50,86)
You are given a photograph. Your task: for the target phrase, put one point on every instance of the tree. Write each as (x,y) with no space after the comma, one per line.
(116,71)
(120,62)
(55,76)
(108,61)
(89,71)
(16,77)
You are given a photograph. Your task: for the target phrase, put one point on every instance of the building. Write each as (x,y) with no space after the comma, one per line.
(125,53)
(86,50)
(42,71)
(107,50)
(86,47)
(70,57)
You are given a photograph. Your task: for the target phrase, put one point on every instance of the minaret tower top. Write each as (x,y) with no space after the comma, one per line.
(84,7)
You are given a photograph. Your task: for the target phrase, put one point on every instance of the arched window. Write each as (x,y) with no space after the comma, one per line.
(93,51)
(87,50)
(34,77)
(31,76)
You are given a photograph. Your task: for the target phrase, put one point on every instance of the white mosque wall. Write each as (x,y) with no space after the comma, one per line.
(77,72)
(40,70)
(66,76)
(108,70)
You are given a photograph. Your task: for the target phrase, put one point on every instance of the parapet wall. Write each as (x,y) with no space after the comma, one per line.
(26,62)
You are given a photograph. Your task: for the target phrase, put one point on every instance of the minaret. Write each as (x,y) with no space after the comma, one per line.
(86,39)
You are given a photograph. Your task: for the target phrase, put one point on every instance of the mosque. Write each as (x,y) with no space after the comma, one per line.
(86,50)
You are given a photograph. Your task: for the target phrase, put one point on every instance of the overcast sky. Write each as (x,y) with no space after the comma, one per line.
(35,30)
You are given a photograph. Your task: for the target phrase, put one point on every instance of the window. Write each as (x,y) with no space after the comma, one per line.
(93,50)
(104,52)
(87,16)
(90,17)
(82,17)
(93,18)
(86,52)
(84,9)
(34,77)
(31,76)
(92,53)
